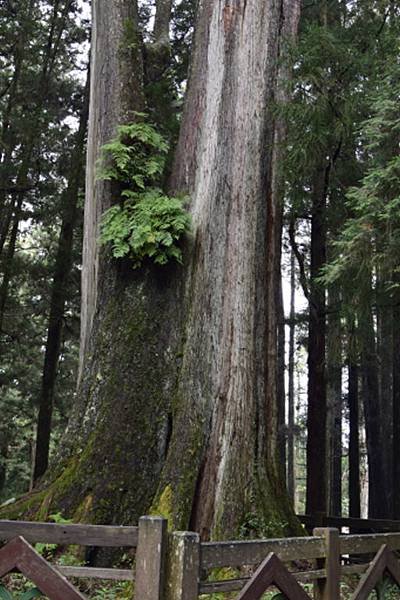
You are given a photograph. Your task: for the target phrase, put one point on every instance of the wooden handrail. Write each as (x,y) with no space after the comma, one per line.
(234,554)
(351,522)
(64,534)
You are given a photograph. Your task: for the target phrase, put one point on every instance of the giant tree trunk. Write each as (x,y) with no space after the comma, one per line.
(177,407)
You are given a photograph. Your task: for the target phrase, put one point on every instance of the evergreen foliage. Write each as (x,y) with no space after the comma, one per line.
(370,239)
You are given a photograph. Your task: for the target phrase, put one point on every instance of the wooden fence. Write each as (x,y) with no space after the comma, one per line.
(150,540)
(178,566)
(350,523)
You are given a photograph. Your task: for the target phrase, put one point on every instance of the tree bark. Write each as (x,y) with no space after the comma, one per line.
(116,92)
(59,294)
(281,391)
(384,324)
(317,400)
(274,278)
(378,506)
(162,22)
(334,399)
(8,262)
(396,406)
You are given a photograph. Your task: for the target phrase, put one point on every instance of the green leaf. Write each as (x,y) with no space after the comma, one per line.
(5,594)
(32,593)
(146,222)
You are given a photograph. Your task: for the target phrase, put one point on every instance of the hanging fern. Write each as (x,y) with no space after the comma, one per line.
(146,222)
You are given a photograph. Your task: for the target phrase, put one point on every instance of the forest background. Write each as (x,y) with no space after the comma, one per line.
(338,335)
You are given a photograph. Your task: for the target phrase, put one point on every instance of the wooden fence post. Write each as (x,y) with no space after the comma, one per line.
(329,588)
(183,566)
(150,558)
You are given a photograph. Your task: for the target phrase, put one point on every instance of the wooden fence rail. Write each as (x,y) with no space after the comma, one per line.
(178,566)
(352,523)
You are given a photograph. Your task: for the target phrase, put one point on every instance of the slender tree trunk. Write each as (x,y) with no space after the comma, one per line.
(274,279)
(385,364)
(4,452)
(354,443)
(291,399)
(59,295)
(378,506)
(281,392)
(317,401)
(8,262)
(334,396)
(162,22)
(396,408)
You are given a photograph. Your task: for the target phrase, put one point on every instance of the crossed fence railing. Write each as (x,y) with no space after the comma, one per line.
(179,566)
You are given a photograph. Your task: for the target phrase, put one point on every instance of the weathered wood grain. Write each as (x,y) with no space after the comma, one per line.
(328,588)
(83,535)
(366,543)
(272,572)
(234,585)
(96,573)
(150,558)
(235,554)
(18,553)
(309,521)
(183,566)
(384,560)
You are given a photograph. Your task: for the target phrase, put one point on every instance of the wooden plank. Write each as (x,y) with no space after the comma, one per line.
(353,523)
(229,585)
(328,588)
(361,524)
(183,566)
(368,543)
(234,585)
(272,572)
(33,566)
(150,558)
(83,535)
(95,573)
(384,560)
(372,576)
(355,569)
(236,554)
(308,576)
